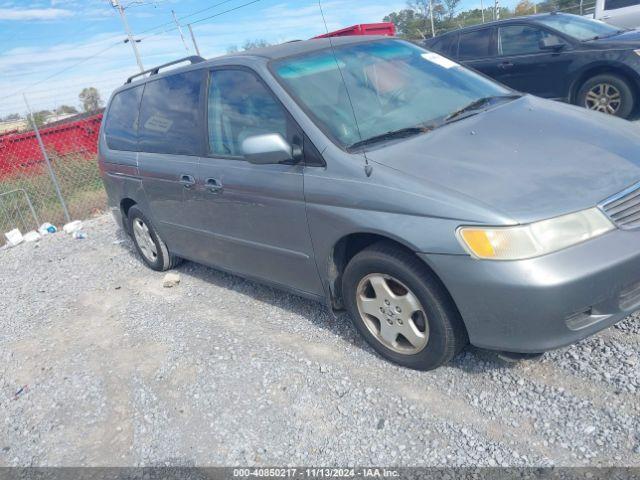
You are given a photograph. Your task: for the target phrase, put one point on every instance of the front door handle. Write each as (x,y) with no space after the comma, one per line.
(187,180)
(213,185)
(505,65)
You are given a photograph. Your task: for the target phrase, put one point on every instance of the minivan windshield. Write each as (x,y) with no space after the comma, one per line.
(396,90)
(579,28)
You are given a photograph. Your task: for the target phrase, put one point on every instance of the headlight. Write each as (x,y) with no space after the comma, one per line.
(539,238)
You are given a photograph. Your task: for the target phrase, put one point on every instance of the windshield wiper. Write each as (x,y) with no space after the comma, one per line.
(476,106)
(392,135)
(601,37)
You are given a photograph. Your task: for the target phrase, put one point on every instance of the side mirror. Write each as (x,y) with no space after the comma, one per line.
(267,149)
(551,43)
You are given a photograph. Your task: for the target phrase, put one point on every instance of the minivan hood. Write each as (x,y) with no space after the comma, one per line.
(528,159)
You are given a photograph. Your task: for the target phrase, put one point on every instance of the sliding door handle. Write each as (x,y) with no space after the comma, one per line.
(213,185)
(187,181)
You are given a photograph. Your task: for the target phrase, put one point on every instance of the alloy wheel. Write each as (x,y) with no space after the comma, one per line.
(392,313)
(605,98)
(144,240)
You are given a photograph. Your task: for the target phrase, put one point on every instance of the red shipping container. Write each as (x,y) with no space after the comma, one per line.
(386,28)
(78,137)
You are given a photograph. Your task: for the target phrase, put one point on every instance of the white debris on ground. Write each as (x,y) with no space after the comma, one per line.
(170,280)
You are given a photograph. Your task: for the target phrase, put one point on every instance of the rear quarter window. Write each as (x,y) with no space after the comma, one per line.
(171,119)
(447,46)
(475,44)
(121,126)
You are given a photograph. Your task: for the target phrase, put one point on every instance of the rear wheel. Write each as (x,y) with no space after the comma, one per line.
(150,246)
(609,94)
(401,308)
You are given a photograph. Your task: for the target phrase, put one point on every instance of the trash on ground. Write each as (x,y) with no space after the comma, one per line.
(14,237)
(31,236)
(170,280)
(79,235)
(21,390)
(46,229)
(72,226)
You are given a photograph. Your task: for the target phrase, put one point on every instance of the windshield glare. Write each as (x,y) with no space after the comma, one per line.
(391,84)
(578,27)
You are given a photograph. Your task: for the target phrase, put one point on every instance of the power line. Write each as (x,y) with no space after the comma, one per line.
(65,47)
(186,16)
(39,82)
(226,11)
(139,3)
(203,19)
(65,35)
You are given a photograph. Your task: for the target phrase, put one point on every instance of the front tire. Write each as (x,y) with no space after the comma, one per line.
(401,309)
(607,93)
(150,246)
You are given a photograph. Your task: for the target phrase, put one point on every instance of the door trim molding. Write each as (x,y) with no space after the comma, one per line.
(240,241)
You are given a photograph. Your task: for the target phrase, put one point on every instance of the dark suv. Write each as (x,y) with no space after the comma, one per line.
(559,56)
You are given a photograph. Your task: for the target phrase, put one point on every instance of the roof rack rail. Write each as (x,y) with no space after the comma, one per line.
(154,71)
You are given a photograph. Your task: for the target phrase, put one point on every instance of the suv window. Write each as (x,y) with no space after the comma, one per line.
(170,118)
(521,39)
(447,45)
(241,106)
(121,126)
(615,4)
(475,44)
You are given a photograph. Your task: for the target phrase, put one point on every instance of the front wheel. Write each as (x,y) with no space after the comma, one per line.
(401,308)
(607,93)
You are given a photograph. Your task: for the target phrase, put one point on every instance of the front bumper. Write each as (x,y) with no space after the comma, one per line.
(548,302)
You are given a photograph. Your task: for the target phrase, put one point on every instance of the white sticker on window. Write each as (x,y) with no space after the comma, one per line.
(439,60)
(157,123)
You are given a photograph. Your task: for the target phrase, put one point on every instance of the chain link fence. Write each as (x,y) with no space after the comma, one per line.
(52,179)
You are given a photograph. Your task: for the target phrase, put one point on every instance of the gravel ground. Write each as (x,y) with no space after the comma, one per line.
(101,365)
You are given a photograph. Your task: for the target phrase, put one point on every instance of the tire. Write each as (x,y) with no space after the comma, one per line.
(153,251)
(607,86)
(438,323)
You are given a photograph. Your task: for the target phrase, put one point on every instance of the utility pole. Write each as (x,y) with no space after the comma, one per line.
(433,28)
(193,38)
(496,10)
(482,9)
(175,19)
(116,4)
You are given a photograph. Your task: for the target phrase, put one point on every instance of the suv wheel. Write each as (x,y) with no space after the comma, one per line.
(607,94)
(148,243)
(401,308)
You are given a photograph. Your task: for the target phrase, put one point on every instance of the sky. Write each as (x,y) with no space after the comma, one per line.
(51,49)
(47,44)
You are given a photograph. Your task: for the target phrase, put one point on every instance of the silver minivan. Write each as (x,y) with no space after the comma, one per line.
(434,205)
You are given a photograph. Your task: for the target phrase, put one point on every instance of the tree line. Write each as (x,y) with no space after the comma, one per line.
(414,21)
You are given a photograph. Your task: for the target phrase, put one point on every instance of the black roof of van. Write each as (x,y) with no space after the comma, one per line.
(304,46)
